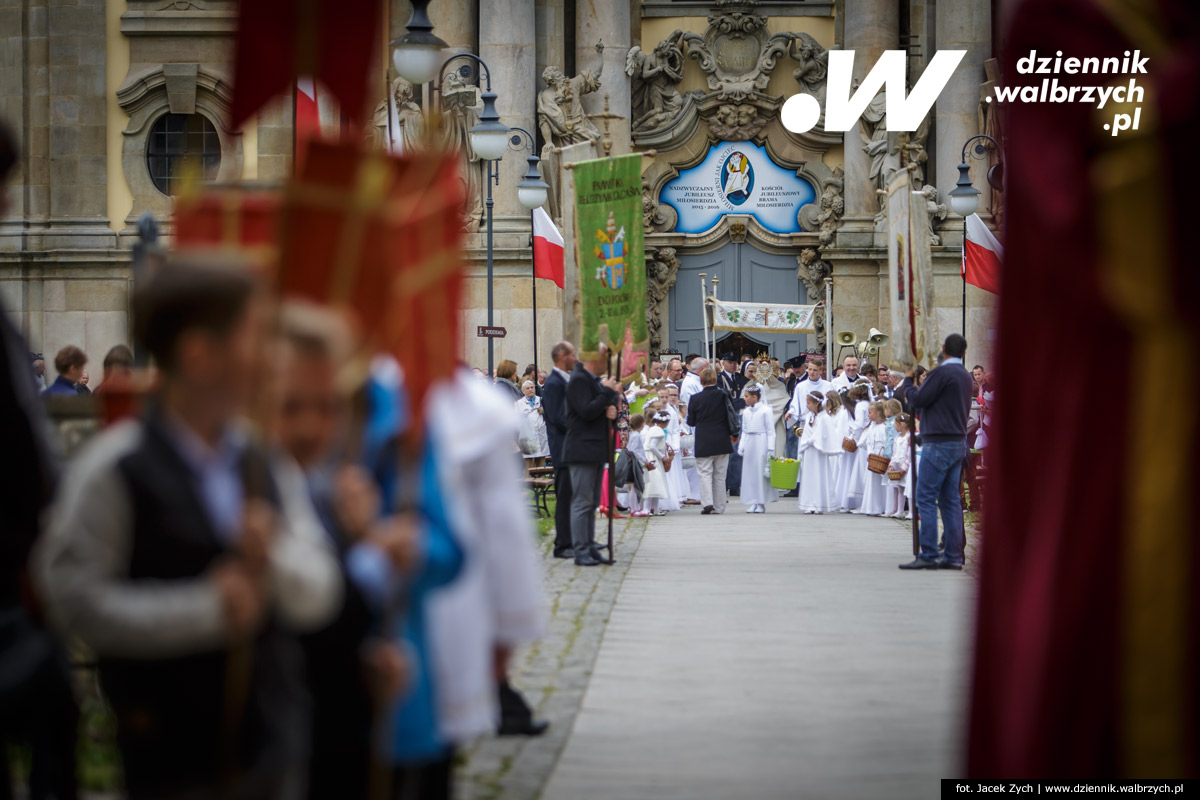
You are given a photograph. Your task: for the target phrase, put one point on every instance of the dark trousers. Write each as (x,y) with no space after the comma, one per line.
(430,781)
(38,709)
(514,711)
(562,508)
(733,478)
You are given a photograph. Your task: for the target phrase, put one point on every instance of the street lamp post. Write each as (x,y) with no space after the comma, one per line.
(532,192)
(490,138)
(964,199)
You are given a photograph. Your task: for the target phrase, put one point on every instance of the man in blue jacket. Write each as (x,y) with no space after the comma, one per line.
(943,402)
(554,405)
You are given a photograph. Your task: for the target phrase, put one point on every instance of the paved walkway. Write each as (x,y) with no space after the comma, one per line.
(744,656)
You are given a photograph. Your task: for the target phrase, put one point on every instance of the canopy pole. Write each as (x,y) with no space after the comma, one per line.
(703,310)
(712,353)
(828,328)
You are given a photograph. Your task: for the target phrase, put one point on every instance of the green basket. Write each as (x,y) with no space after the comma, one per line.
(784,475)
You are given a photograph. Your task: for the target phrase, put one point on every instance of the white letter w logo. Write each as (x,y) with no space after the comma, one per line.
(842,110)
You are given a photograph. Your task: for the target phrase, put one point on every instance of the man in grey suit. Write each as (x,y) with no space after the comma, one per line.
(591,406)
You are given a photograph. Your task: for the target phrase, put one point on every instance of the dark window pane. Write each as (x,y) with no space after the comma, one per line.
(179,139)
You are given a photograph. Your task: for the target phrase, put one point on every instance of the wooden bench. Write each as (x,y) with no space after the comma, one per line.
(542,488)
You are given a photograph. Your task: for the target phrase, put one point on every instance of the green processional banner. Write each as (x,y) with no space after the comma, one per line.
(610,253)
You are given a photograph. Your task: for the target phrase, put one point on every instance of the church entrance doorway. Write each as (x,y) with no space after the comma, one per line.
(747,275)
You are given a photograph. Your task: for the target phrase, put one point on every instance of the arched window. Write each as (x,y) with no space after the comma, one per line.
(176,139)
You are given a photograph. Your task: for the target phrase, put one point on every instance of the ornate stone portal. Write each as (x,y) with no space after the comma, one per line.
(662,270)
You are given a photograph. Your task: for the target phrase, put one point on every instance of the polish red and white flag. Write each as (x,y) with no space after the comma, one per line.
(547,249)
(982,256)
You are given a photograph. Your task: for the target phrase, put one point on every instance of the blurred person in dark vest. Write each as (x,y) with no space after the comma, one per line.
(207,562)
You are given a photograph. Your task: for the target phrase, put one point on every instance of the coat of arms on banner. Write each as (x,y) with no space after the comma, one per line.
(611,250)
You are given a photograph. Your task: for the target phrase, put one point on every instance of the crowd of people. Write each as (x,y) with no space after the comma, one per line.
(688,432)
(72,378)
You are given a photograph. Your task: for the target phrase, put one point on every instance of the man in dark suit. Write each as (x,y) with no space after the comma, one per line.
(730,381)
(709,412)
(591,406)
(554,405)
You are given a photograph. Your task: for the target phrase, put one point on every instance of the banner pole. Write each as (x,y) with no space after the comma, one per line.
(964,279)
(828,327)
(703,310)
(612,472)
(712,354)
(533,283)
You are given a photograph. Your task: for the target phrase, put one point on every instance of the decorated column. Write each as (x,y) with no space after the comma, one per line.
(599,21)
(507,46)
(872,26)
(965,25)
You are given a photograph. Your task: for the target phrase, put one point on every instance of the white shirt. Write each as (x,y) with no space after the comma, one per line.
(799,404)
(842,382)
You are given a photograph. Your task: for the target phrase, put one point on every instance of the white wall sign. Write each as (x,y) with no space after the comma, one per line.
(738,178)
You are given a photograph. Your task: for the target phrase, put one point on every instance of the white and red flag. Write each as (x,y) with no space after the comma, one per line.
(982,256)
(547,249)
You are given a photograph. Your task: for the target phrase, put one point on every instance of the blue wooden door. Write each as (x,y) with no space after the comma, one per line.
(746,275)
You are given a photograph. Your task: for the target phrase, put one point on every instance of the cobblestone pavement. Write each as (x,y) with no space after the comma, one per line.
(552,674)
(774,657)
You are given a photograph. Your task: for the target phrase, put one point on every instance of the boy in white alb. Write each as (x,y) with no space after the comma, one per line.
(755,445)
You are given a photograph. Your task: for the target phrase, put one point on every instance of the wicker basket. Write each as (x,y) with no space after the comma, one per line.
(877,463)
(784,475)
(849,445)
(896,475)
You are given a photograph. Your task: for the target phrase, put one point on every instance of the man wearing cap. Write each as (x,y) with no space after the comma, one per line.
(729,381)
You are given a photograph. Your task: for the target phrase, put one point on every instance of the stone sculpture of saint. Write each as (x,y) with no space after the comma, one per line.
(405,130)
(561,117)
(814,66)
(653,78)
(462,105)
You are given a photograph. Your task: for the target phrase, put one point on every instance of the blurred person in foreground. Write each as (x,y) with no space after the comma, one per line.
(497,603)
(36,703)
(192,586)
(351,670)
(416,759)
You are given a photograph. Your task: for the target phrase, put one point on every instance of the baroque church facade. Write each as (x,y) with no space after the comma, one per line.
(104,94)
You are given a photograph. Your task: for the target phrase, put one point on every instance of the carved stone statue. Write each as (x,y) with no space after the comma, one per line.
(812,271)
(561,117)
(462,105)
(405,130)
(662,270)
(813,70)
(833,206)
(653,78)
(934,210)
(652,216)
(734,123)
(890,152)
